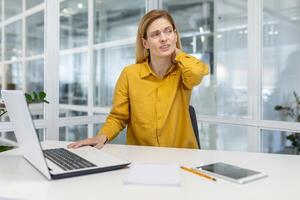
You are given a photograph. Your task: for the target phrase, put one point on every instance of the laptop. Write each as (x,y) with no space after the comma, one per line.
(58,162)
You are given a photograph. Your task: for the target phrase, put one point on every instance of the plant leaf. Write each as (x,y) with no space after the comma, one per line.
(45,101)
(35,96)
(5,148)
(278,107)
(28,98)
(42,95)
(296,97)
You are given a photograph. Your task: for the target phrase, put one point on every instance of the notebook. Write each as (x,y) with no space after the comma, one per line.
(53,163)
(153,174)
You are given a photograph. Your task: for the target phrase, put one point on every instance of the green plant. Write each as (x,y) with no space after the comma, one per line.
(5,148)
(34,98)
(294,113)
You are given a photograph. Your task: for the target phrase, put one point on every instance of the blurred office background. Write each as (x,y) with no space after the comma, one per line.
(74,50)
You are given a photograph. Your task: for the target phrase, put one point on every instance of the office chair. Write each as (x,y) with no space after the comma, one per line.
(194,123)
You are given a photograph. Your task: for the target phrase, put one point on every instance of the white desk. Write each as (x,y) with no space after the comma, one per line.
(19,180)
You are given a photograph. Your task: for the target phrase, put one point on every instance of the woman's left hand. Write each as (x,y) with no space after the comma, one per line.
(176,52)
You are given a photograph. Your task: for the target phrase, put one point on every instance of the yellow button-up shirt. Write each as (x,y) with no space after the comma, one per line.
(155,109)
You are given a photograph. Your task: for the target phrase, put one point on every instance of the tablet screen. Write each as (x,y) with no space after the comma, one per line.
(231,171)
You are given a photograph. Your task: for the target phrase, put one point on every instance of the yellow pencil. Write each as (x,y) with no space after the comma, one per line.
(198,173)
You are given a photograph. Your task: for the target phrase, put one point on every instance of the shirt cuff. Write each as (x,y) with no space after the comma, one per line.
(106,132)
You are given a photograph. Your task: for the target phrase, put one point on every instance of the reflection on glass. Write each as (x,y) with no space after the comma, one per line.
(13,76)
(196,29)
(32,3)
(12,8)
(4,118)
(281,56)
(35,76)
(73,133)
(0,43)
(73,23)
(35,34)
(35,83)
(117,19)
(223,137)
(36,111)
(13,41)
(278,142)
(41,134)
(73,79)
(71,113)
(10,135)
(108,65)
(1,13)
(223,45)
(120,139)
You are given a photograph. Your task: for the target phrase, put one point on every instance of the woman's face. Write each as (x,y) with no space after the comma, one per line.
(161,38)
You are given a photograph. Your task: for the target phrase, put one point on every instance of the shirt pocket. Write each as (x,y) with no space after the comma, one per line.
(141,110)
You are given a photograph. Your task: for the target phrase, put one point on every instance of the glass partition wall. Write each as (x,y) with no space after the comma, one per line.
(22,55)
(90,62)
(280,70)
(247,103)
(216,31)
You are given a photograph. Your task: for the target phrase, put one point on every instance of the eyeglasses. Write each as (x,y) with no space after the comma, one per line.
(168,31)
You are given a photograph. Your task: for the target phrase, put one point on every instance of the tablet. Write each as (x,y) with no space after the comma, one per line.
(231,172)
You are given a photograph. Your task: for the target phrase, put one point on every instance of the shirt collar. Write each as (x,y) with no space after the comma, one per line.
(146,70)
(172,70)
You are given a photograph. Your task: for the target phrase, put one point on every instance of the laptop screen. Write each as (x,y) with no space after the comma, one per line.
(24,129)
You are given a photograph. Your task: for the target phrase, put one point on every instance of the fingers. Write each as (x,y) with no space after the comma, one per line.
(97,141)
(173,57)
(99,145)
(70,146)
(80,143)
(176,52)
(75,145)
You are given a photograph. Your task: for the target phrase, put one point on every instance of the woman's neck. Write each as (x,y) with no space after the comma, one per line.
(160,65)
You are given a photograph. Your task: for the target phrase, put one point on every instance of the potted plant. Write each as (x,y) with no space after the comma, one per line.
(5,148)
(292,112)
(30,99)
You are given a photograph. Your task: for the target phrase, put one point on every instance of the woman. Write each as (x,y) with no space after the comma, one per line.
(152,96)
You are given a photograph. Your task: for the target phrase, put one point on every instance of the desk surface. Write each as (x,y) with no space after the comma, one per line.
(19,180)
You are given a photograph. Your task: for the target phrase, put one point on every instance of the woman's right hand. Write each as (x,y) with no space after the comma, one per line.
(98,141)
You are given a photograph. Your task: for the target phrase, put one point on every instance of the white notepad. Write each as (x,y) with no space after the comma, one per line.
(153,174)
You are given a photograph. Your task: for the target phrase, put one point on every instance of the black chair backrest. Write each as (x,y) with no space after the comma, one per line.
(194,123)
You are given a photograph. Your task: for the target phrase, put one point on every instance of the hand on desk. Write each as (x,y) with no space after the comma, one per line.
(98,141)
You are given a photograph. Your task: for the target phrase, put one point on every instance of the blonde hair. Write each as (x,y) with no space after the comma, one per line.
(142,53)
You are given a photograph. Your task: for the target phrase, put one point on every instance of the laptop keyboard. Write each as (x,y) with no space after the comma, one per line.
(66,159)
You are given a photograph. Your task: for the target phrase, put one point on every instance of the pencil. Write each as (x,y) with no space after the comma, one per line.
(198,173)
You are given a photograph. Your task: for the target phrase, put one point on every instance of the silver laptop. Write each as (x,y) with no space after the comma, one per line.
(59,162)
